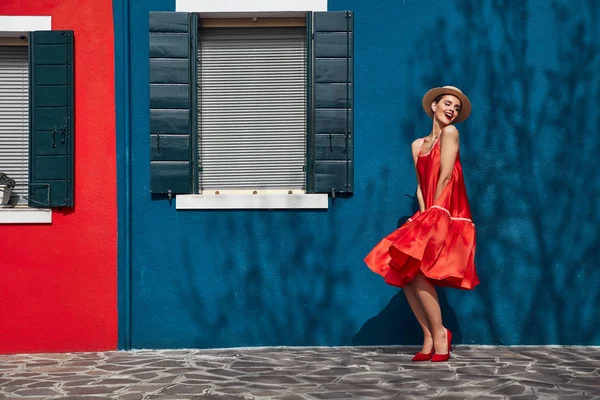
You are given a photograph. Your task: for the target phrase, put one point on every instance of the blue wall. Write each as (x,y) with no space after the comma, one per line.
(232,278)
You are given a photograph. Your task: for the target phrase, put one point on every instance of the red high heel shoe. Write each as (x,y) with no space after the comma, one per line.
(423,356)
(444,357)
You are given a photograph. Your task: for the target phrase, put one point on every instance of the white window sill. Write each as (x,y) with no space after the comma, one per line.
(251,201)
(25,215)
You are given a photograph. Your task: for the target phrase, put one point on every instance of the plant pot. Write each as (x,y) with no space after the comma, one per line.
(4,194)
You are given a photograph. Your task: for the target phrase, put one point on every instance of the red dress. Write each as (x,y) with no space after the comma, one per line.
(439,242)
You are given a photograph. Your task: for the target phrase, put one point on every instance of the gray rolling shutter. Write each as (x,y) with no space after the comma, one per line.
(14,119)
(252,120)
(172,38)
(331,97)
(51,100)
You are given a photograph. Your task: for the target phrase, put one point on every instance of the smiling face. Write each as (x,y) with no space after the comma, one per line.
(446,108)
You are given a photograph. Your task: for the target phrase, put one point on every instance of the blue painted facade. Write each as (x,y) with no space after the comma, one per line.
(252,278)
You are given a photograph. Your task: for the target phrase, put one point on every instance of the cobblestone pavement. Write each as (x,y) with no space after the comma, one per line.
(305,373)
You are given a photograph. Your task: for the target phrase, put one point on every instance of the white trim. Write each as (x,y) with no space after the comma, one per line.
(17,25)
(451,217)
(250,201)
(219,6)
(24,215)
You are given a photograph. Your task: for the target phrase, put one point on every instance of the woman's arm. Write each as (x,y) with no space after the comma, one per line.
(415,153)
(449,149)
(420,197)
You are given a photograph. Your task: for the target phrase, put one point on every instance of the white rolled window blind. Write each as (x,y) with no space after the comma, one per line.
(252,108)
(14,119)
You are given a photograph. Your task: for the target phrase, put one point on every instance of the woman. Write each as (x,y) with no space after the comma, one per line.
(436,247)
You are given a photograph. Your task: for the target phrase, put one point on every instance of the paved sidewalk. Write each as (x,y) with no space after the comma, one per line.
(305,373)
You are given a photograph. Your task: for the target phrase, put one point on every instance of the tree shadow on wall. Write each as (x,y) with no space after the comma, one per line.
(277,292)
(530,157)
(533,185)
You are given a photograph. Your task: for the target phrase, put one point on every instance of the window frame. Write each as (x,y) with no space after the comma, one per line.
(252,198)
(268,26)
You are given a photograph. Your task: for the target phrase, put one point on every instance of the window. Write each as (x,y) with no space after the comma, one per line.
(252,102)
(14,117)
(251,106)
(36,120)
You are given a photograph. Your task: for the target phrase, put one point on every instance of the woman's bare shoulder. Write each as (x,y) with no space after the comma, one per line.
(449,135)
(416,145)
(450,131)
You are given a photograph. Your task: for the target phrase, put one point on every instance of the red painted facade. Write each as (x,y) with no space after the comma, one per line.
(58,284)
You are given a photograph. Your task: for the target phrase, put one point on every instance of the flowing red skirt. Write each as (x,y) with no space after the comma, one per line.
(439,242)
(441,248)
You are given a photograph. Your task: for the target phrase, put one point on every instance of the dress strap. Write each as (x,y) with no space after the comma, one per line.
(421,141)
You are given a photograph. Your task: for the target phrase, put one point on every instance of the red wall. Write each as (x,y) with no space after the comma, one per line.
(58,282)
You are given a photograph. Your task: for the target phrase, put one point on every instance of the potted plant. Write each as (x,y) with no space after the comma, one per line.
(7,184)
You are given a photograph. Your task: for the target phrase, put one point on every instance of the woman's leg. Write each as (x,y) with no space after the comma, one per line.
(427,296)
(417,309)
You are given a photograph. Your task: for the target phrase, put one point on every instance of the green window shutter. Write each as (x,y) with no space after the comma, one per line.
(172,39)
(51,99)
(331,103)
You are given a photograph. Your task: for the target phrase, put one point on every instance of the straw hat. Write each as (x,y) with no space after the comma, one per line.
(465,104)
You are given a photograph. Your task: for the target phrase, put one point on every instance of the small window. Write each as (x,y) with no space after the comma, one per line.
(14,116)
